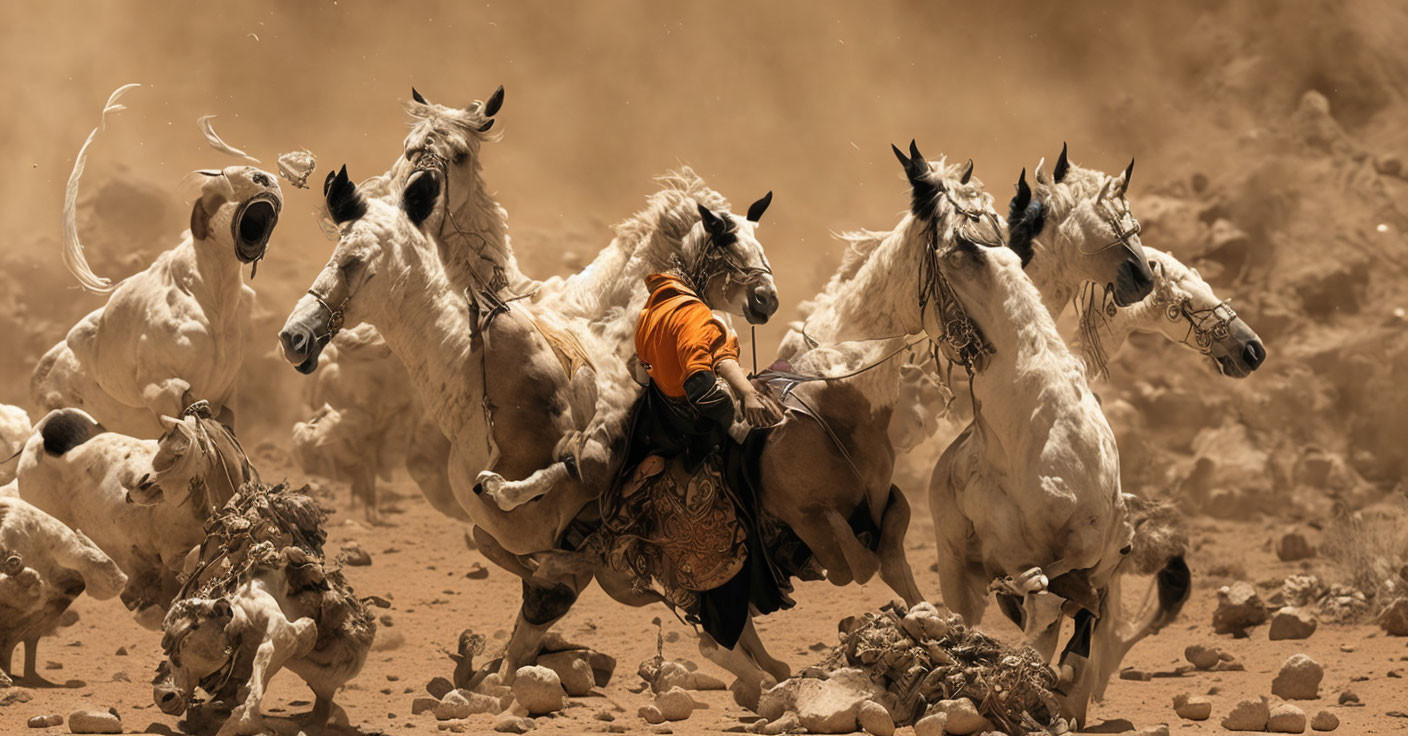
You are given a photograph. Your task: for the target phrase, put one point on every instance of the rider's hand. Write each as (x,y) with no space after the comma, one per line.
(760,410)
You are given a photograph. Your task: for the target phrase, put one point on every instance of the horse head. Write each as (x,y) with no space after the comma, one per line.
(238,208)
(1196,318)
(723,258)
(198,646)
(440,156)
(1080,220)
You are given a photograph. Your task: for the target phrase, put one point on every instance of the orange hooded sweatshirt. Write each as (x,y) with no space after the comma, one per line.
(678,335)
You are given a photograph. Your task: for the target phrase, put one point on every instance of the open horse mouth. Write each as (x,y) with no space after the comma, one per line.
(423,188)
(254,225)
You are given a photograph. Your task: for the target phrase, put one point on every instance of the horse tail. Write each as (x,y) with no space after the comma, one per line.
(74,260)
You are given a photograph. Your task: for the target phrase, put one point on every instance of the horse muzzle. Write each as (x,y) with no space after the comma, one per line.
(302,338)
(1133,281)
(253,225)
(761,306)
(168,699)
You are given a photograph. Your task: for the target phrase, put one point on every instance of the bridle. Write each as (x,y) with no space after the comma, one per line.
(1115,216)
(716,254)
(961,340)
(1205,325)
(335,316)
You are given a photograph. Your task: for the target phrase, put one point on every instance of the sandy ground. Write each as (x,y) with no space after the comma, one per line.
(419,562)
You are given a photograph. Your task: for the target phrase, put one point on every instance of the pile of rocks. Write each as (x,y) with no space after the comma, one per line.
(1298,679)
(915,666)
(536,691)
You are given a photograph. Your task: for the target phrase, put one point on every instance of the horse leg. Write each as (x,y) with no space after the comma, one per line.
(749,677)
(495,553)
(547,596)
(962,584)
(861,562)
(1078,666)
(1043,623)
(1172,585)
(752,644)
(510,494)
(894,565)
(428,462)
(364,491)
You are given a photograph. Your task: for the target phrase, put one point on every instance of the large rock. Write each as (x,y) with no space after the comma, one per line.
(1292,623)
(1238,609)
(538,689)
(1201,656)
(1192,707)
(1325,721)
(423,704)
(92,720)
(874,719)
(510,723)
(1248,715)
(822,706)
(573,669)
(674,704)
(1286,718)
(463,704)
(961,717)
(931,725)
(1394,619)
(1299,679)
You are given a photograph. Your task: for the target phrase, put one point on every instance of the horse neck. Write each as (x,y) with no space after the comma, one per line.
(882,299)
(425,323)
(1051,273)
(613,279)
(210,273)
(1031,374)
(473,240)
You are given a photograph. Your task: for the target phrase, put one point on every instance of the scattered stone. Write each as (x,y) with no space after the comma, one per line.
(1136,675)
(663,674)
(650,714)
(352,555)
(121,677)
(1238,609)
(477,572)
(53,665)
(1325,721)
(538,689)
(674,704)
(510,723)
(962,717)
(463,704)
(1286,718)
(1292,623)
(423,704)
(1192,707)
(604,715)
(1159,730)
(1248,715)
(439,687)
(933,725)
(1349,697)
(572,670)
(13,695)
(46,721)
(1293,547)
(1202,657)
(1299,679)
(1394,619)
(121,651)
(874,719)
(92,720)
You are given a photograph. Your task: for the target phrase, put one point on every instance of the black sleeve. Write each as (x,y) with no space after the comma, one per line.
(707,395)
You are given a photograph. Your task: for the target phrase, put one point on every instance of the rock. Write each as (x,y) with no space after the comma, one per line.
(510,723)
(1286,718)
(46,721)
(651,714)
(924,622)
(933,725)
(1136,675)
(423,704)
(13,695)
(874,719)
(1238,609)
(439,687)
(788,723)
(822,706)
(663,674)
(352,555)
(538,689)
(1292,623)
(961,717)
(1293,547)
(1202,657)
(1248,715)
(1394,619)
(1349,697)
(674,704)
(121,651)
(1325,721)
(1159,730)
(463,704)
(572,669)
(604,715)
(1299,679)
(1192,707)
(92,720)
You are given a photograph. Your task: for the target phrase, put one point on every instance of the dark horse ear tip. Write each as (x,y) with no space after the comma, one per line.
(415,95)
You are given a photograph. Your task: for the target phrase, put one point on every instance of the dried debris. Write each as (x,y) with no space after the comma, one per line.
(296,166)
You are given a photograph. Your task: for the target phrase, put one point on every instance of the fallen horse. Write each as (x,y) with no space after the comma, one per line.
(261,599)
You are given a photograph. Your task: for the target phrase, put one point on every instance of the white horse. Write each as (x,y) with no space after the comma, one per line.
(143,502)
(44,565)
(14,430)
(172,334)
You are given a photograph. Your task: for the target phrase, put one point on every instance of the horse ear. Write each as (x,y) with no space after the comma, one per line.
(200,220)
(486,126)
(756,210)
(1025,218)
(345,203)
(1063,164)
(967,173)
(495,101)
(169,422)
(713,224)
(922,188)
(1023,197)
(1039,173)
(1124,180)
(417,97)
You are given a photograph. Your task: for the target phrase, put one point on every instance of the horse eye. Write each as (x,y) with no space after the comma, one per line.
(460,157)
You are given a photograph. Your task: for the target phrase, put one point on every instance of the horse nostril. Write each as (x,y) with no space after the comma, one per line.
(168,697)
(1253,354)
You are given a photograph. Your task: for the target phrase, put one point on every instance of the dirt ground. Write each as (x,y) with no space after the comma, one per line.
(419,563)
(1271,156)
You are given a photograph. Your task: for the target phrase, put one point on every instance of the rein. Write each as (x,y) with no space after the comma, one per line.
(335,315)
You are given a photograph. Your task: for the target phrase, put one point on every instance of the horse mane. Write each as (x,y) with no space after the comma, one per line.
(468,120)
(1061,197)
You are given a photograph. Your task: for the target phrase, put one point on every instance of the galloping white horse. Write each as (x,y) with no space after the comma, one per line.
(173,333)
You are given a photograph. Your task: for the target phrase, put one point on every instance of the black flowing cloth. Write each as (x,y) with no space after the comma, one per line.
(693,433)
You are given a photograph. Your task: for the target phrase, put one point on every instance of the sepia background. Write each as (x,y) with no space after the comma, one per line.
(1269,146)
